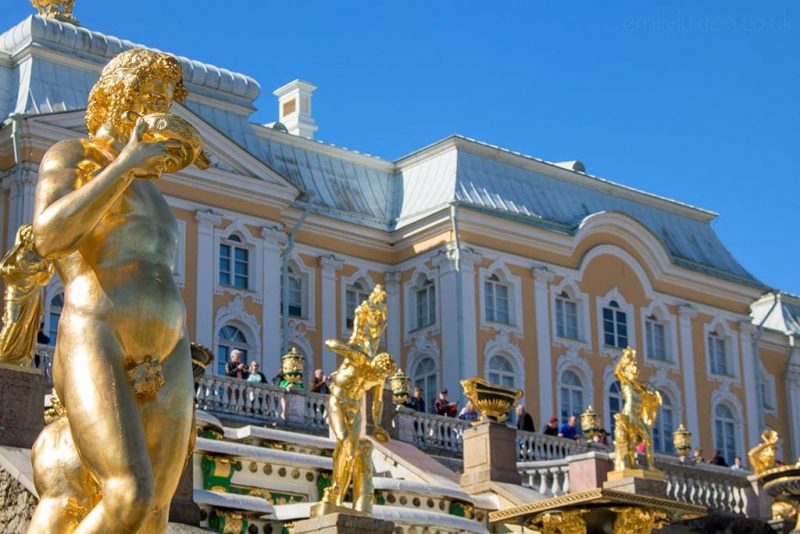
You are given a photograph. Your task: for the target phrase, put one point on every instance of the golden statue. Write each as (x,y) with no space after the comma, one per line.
(56,9)
(362,370)
(634,423)
(762,457)
(122,367)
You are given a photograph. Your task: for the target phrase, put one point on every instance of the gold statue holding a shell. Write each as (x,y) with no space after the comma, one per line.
(122,367)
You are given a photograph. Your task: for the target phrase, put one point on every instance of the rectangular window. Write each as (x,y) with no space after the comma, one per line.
(717,355)
(426,306)
(240,267)
(497,306)
(225,264)
(656,340)
(354,296)
(566,318)
(615,328)
(295,297)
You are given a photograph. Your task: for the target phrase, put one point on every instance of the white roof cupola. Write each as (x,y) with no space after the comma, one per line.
(294,108)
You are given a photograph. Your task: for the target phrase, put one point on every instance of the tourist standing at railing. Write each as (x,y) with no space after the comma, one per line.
(737,464)
(551,428)
(255,375)
(235,368)
(697,456)
(417,401)
(468,412)
(718,459)
(319,383)
(442,406)
(569,429)
(524,419)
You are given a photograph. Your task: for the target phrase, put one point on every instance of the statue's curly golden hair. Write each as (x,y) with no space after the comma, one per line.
(122,78)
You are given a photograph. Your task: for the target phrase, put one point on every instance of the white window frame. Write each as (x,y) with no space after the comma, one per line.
(571,288)
(511,373)
(733,421)
(630,320)
(768,391)
(429,396)
(513,283)
(254,260)
(658,310)
(584,396)
(416,283)
(248,347)
(308,278)
(722,331)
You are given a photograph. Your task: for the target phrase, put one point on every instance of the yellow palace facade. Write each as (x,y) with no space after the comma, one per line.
(497,264)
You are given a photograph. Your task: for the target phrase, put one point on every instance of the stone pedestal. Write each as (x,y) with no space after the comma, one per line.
(638,481)
(490,455)
(182,508)
(588,471)
(22,392)
(343,523)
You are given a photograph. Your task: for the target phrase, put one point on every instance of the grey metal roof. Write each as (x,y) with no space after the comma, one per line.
(359,188)
(781,316)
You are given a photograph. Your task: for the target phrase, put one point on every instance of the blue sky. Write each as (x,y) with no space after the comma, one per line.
(696,101)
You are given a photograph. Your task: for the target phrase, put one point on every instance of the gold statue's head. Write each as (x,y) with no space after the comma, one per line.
(378,295)
(138,80)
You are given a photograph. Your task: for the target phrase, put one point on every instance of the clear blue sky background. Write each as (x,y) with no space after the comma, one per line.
(696,101)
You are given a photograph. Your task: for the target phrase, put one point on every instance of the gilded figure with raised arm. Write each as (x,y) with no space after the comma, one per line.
(634,423)
(122,368)
(362,370)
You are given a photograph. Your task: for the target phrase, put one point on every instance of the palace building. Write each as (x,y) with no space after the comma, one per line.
(530,273)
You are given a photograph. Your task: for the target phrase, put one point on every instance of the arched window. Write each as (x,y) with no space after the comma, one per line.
(501,371)
(426,377)
(356,294)
(234,263)
(497,305)
(615,326)
(614,404)
(230,337)
(571,395)
(662,431)
(56,305)
(725,432)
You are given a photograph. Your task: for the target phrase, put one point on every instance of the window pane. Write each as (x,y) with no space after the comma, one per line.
(241,254)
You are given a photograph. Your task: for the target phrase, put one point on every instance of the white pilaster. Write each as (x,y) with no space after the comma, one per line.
(793,400)
(542,277)
(466,366)
(445,263)
(329,265)
(469,258)
(752,384)
(685,315)
(207,220)
(274,240)
(22,188)
(393,330)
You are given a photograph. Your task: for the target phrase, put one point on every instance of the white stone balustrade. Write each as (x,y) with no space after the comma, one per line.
(533,447)
(232,396)
(549,477)
(718,488)
(429,431)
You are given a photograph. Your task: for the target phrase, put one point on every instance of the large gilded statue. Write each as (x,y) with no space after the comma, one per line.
(634,423)
(122,369)
(362,370)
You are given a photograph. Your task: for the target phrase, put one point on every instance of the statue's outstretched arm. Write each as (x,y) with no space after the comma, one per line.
(70,200)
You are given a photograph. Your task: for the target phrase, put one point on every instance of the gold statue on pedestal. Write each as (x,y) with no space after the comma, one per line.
(122,367)
(363,369)
(634,423)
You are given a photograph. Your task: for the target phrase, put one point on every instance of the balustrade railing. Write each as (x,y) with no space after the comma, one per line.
(316,411)
(550,477)
(718,488)
(232,396)
(532,446)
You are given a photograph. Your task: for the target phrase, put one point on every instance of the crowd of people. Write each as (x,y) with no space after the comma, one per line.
(236,368)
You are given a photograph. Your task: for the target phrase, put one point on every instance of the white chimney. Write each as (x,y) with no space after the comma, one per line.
(294,108)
